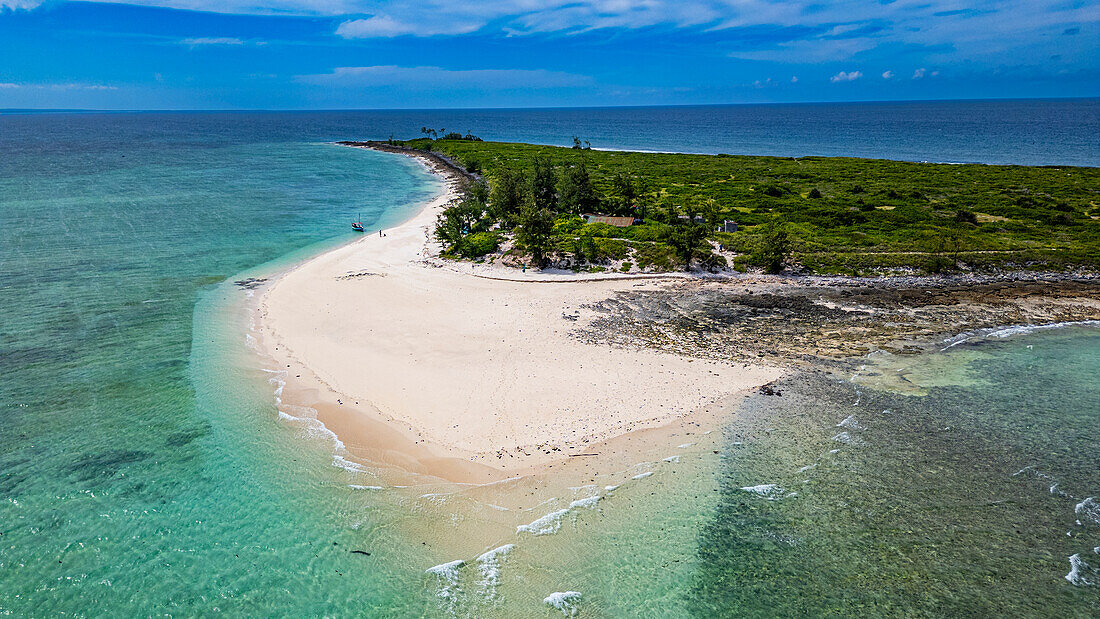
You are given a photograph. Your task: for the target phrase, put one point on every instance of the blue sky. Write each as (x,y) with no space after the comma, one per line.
(301,54)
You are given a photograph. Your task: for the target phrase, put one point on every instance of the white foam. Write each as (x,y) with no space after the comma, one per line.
(312,426)
(807,467)
(448,579)
(590,502)
(771,492)
(610,488)
(671,459)
(550,523)
(847,439)
(565,601)
(642,475)
(1074,576)
(956,340)
(447,570)
(1026,329)
(488,565)
(349,466)
(358,487)
(1088,509)
(685,445)
(849,422)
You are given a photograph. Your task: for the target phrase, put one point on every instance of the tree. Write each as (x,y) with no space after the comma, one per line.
(544,180)
(711,213)
(478,191)
(773,247)
(647,195)
(689,241)
(534,232)
(506,197)
(626,193)
(578,194)
(455,222)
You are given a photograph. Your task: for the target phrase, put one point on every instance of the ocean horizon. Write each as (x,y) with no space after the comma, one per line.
(990,131)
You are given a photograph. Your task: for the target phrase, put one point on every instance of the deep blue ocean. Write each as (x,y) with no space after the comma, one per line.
(1024,132)
(144,468)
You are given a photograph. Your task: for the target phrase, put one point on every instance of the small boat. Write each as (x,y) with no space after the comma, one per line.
(357,225)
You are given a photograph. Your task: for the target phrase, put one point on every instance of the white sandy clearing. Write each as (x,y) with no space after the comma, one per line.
(473,364)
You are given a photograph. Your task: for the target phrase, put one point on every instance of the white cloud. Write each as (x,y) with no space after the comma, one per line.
(19,4)
(386,26)
(993,32)
(809,50)
(919,73)
(887,75)
(60,86)
(846,76)
(438,77)
(212,41)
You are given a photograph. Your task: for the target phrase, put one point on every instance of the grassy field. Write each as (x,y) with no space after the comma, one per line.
(842,215)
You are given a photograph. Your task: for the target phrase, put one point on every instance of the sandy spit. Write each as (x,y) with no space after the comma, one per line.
(449,372)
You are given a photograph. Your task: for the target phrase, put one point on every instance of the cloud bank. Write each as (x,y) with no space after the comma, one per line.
(437,77)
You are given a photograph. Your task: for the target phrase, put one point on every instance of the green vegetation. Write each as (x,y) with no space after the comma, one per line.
(820,214)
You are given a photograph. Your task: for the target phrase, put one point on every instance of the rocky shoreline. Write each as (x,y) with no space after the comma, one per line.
(830,321)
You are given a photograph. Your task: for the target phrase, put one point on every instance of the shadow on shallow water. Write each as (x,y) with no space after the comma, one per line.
(843,498)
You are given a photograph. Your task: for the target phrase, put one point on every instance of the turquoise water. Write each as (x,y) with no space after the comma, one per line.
(144,469)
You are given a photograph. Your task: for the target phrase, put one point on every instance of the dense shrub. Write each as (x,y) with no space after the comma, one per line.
(773,247)
(656,255)
(871,214)
(964,216)
(478,244)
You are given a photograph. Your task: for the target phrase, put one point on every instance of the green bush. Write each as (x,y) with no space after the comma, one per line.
(649,232)
(964,216)
(611,248)
(938,264)
(773,247)
(569,225)
(656,255)
(478,244)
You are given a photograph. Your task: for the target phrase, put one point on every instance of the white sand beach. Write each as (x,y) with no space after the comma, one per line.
(413,362)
